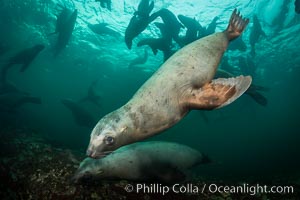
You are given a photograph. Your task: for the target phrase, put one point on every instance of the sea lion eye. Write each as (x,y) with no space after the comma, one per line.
(109,140)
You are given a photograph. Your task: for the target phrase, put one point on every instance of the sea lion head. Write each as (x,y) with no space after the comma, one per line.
(110,133)
(89,170)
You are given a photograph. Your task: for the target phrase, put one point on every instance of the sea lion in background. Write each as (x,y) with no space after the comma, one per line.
(193,28)
(11,101)
(103,29)
(254,91)
(211,28)
(163,43)
(92,96)
(297,6)
(81,116)
(61,19)
(170,21)
(155,44)
(139,60)
(144,8)
(143,161)
(139,22)
(65,33)
(184,82)
(134,28)
(24,58)
(105,4)
(255,34)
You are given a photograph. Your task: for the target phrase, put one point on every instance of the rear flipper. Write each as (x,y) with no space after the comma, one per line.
(236,25)
(218,93)
(257,96)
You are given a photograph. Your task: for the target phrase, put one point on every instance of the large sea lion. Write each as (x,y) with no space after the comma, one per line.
(143,161)
(184,82)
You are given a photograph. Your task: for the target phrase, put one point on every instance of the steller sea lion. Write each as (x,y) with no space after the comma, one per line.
(24,58)
(143,161)
(255,34)
(65,32)
(184,82)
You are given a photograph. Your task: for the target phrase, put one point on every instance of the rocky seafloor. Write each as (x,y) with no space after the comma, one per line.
(33,168)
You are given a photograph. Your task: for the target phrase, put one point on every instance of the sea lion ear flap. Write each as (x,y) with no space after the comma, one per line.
(218,93)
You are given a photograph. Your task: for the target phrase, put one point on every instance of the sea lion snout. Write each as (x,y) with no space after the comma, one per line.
(94,153)
(90,153)
(97,153)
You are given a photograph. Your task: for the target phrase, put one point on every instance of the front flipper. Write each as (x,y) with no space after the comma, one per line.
(217,93)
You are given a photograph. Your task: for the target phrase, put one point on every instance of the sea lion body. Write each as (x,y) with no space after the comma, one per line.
(143,161)
(158,104)
(65,33)
(182,83)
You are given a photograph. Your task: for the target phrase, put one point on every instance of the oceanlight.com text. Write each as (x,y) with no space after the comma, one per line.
(208,188)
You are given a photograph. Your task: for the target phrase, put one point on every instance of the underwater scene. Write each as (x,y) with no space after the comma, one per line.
(149,99)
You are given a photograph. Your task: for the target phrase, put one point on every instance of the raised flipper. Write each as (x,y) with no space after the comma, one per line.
(236,25)
(217,93)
